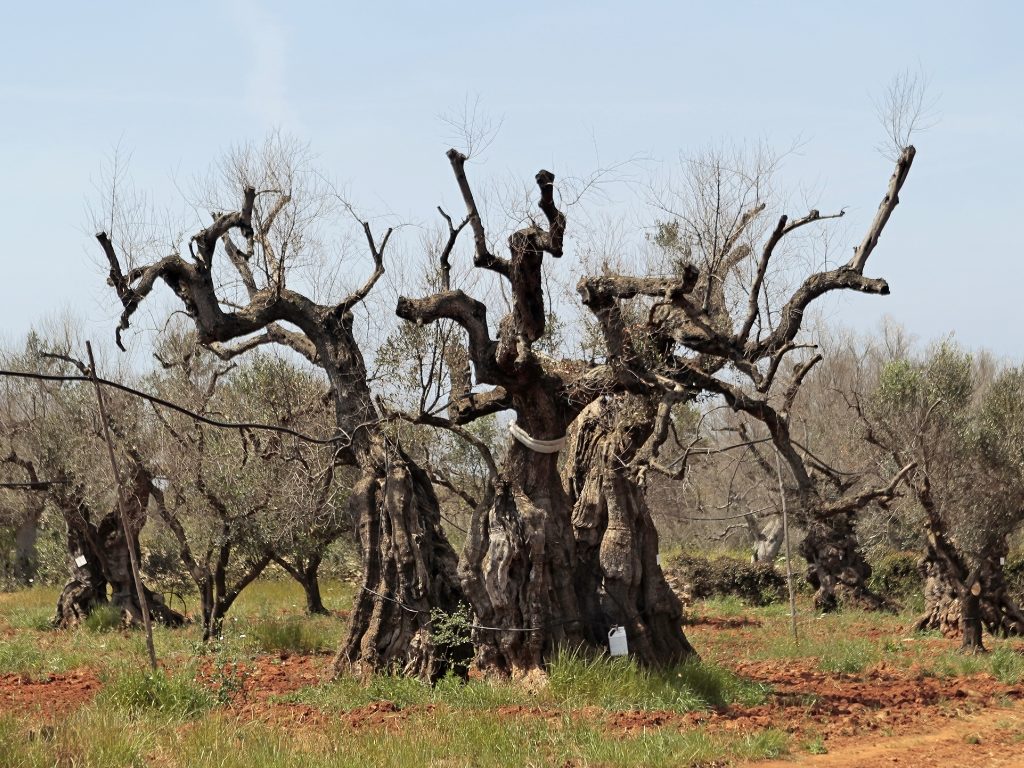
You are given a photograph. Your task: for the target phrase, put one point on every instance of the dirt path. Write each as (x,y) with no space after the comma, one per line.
(993,737)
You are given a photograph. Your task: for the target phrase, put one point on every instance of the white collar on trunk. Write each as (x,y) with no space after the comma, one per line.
(539,446)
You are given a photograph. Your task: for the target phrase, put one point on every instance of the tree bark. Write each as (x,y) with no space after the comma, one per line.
(618,579)
(409,564)
(518,564)
(305,570)
(409,573)
(107,561)
(952,605)
(26,563)
(311,588)
(835,566)
(768,540)
(944,596)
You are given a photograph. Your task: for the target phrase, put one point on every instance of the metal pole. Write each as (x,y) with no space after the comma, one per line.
(129,539)
(789,558)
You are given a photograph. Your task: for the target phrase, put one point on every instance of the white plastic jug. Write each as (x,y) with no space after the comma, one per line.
(617,643)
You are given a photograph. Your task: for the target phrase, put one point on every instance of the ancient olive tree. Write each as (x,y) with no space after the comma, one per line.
(964,430)
(522,571)
(53,433)
(732,336)
(239,278)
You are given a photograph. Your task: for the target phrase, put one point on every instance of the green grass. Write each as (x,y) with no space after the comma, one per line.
(1005,663)
(301,635)
(448,738)
(88,737)
(31,608)
(285,597)
(848,656)
(103,618)
(22,655)
(574,682)
(139,692)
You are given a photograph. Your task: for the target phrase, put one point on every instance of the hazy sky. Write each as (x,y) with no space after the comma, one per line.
(576,84)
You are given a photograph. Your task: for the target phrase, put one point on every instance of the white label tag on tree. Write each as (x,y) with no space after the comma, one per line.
(657,559)
(80,561)
(1002,561)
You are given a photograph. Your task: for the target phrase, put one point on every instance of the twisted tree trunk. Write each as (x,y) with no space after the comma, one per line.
(100,558)
(409,573)
(836,568)
(26,561)
(618,578)
(409,566)
(946,596)
(519,561)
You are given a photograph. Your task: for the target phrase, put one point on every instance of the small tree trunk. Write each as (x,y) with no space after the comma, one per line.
(617,575)
(409,571)
(835,566)
(206,607)
(25,538)
(311,586)
(971,619)
(107,561)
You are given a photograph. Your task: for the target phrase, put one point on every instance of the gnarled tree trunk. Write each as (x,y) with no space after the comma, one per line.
(945,595)
(835,566)
(409,572)
(768,539)
(519,561)
(617,574)
(26,563)
(107,561)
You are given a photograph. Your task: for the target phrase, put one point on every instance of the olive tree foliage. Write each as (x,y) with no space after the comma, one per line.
(309,510)
(237,501)
(962,422)
(240,279)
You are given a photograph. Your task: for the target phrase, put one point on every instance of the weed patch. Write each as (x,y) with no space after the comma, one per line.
(138,692)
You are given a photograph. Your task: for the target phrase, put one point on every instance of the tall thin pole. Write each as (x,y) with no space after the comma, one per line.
(119,486)
(789,557)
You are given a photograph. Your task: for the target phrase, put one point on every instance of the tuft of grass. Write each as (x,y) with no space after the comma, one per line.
(619,683)
(103,618)
(294,635)
(88,737)
(140,692)
(30,608)
(22,655)
(574,681)
(1007,665)
(849,655)
(347,693)
(835,655)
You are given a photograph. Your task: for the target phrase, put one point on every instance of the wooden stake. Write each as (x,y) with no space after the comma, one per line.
(789,558)
(129,539)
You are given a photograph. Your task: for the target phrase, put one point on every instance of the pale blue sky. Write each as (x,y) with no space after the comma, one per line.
(177,83)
